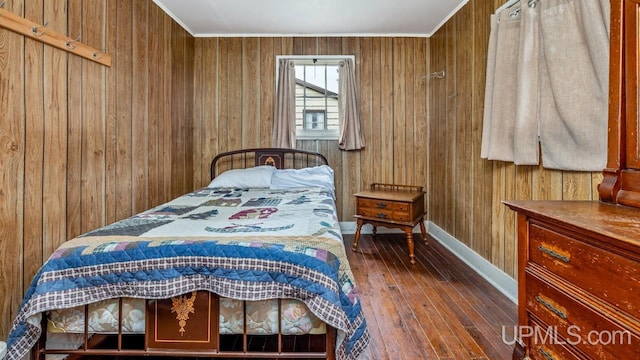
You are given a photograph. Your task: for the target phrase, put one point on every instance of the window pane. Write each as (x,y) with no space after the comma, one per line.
(314,120)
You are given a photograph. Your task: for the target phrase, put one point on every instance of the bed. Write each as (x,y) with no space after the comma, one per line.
(253,265)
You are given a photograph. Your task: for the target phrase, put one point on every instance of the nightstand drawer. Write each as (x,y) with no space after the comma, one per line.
(377,204)
(364,203)
(603,273)
(398,216)
(598,336)
(383,204)
(381,214)
(402,207)
(384,214)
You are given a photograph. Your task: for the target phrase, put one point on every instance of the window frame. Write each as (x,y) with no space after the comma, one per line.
(308,134)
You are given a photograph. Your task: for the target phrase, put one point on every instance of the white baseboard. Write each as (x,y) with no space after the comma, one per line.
(496,277)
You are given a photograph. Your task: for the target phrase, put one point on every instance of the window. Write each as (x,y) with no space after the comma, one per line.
(317,92)
(315,119)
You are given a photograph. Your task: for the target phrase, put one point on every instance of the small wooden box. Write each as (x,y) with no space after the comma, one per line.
(189,321)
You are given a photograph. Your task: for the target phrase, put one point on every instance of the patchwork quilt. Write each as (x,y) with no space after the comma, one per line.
(246,244)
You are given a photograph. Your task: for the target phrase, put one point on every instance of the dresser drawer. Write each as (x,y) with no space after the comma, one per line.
(609,276)
(593,333)
(545,344)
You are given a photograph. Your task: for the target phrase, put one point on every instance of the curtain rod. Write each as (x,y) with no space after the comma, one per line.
(506,5)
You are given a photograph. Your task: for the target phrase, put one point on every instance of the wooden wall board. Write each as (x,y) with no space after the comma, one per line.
(140,107)
(55,132)
(74,126)
(34,145)
(124,109)
(12,158)
(155,106)
(266,88)
(111,130)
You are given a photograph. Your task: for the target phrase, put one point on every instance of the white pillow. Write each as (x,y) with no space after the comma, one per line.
(255,177)
(306,177)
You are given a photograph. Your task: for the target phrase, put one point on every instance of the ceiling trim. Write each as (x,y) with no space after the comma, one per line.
(312,35)
(444,21)
(174,17)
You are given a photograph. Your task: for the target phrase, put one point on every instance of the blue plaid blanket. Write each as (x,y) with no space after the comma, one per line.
(208,240)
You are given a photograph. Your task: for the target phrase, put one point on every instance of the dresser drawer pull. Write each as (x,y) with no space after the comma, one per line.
(545,354)
(382,215)
(554,254)
(381,205)
(551,307)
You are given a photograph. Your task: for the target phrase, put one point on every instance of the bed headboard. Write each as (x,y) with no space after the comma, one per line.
(279,157)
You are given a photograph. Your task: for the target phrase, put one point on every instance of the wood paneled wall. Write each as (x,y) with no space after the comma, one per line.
(234,105)
(467,191)
(83,145)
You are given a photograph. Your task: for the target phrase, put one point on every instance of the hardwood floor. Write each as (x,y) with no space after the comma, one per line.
(436,309)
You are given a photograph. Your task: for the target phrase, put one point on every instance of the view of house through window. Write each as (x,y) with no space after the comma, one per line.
(316,95)
(317,92)
(317,98)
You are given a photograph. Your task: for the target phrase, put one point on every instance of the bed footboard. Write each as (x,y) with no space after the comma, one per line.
(188,326)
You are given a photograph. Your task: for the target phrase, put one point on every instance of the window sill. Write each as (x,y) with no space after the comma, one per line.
(316,137)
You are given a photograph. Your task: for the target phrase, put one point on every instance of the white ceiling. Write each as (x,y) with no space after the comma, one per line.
(204,18)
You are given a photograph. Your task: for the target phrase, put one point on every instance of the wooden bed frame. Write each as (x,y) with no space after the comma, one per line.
(163,338)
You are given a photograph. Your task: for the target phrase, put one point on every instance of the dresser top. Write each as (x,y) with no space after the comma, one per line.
(609,220)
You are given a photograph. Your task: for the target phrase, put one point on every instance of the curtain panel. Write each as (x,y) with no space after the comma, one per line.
(284,120)
(351,134)
(547,84)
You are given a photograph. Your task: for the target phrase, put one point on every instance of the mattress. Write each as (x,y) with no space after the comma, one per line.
(261,318)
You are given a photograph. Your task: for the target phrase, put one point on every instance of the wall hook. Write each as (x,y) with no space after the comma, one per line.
(70,44)
(35,29)
(438,74)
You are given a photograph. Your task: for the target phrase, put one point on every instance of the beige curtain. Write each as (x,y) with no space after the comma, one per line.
(351,134)
(573,95)
(547,84)
(525,150)
(284,121)
(500,92)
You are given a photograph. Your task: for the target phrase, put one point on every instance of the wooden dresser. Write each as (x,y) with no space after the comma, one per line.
(390,205)
(578,280)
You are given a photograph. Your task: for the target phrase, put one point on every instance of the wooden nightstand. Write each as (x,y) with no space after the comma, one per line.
(388,205)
